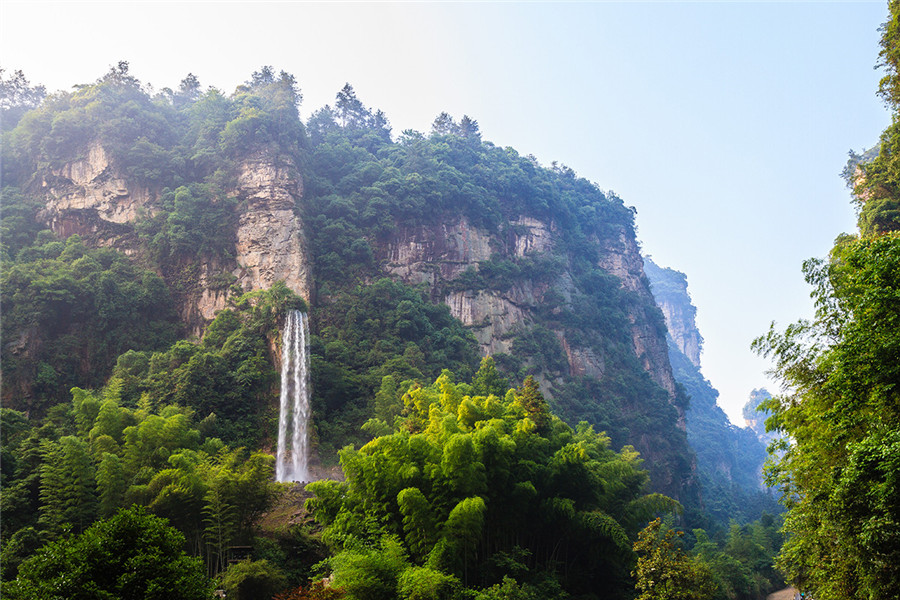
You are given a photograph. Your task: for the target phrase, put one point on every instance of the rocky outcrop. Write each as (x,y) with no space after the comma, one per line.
(470,269)
(92,198)
(437,255)
(670,290)
(621,257)
(271,241)
(431,254)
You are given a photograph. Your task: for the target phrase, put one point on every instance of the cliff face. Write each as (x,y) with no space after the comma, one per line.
(729,458)
(437,255)
(621,257)
(670,291)
(92,198)
(271,240)
(444,257)
(88,197)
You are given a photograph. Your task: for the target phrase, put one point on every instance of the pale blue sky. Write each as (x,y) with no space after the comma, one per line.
(725,124)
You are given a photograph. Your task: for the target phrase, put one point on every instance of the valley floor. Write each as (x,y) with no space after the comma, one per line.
(785,594)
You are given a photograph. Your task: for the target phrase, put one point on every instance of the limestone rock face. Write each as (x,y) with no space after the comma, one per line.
(491,316)
(683,330)
(271,242)
(530,236)
(92,198)
(438,254)
(429,254)
(670,290)
(622,258)
(88,197)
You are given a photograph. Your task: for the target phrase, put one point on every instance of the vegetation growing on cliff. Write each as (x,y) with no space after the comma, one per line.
(159,422)
(69,311)
(364,335)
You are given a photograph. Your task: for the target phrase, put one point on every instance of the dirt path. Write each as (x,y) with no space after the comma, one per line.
(785,594)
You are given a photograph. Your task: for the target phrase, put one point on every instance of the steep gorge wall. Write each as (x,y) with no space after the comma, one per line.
(439,254)
(441,257)
(729,458)
(670,291)
(91,197)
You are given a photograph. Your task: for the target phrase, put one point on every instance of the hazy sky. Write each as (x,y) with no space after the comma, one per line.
(725,124)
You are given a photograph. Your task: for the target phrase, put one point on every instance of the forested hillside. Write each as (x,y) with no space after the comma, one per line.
(223,195)
(484,347)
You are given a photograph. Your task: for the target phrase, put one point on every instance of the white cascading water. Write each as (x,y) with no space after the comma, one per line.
(292,461)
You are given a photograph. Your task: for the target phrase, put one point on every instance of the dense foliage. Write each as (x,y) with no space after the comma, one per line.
(737,565)
(369,333)
(168,139)
(742,561)
(665,572)
(228,378)
(839,467)
(474,491)
(97,456)
(69,311)
(132,556)
(364,190)
(75,309)
(838,472)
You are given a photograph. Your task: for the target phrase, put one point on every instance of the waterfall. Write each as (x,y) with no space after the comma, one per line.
(292,460)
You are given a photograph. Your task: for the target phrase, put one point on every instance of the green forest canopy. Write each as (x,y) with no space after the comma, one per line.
(160,421)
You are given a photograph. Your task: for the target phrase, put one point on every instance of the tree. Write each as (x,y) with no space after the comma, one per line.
(188,90)
(665,572)
(67,485)
(17,96)
(841,417)
(488,380)
(253,580)
(529,396)
(131,556)
(444,124)
(350,110)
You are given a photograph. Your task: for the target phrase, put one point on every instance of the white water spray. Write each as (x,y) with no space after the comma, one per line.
(292,460)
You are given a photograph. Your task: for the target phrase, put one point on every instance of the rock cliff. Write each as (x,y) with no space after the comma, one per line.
(448,259)
(91,197)
(670,291)
(439,254)
(729,458)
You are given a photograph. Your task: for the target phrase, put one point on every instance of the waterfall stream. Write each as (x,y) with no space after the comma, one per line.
(292,460)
